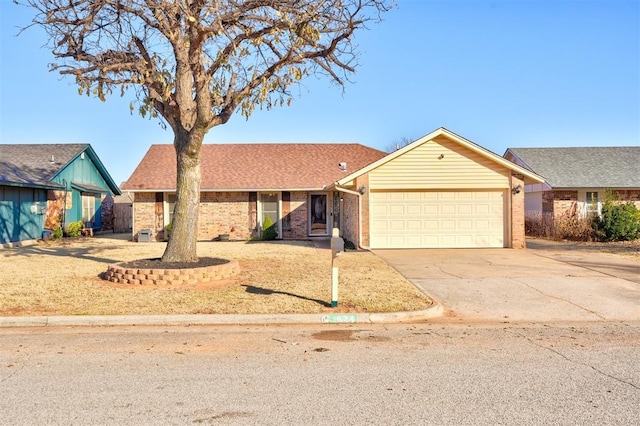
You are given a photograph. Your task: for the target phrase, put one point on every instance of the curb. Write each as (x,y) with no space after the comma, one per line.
(434,311)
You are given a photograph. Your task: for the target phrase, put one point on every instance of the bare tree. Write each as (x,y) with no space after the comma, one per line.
(193,63)
(397,144)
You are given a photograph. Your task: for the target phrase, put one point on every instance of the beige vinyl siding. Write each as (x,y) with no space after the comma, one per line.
(423,168)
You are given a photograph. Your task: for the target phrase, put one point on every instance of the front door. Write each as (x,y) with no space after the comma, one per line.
(318,217)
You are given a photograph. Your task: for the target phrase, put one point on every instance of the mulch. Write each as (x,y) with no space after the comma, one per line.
(157,263)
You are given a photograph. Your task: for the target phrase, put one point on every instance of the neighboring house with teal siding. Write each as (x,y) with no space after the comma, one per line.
(49,185)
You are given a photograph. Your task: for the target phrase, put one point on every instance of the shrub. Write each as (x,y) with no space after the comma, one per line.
(573,227)
(57,233)
(619,221)
(167,231)
(567,226)
(269,231)
(349,246)
(539,225)
(74,228)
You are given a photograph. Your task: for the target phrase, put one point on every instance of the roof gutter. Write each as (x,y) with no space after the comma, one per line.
(359,195)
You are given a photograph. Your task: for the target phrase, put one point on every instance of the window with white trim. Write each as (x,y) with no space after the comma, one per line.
(88,207)
(171,205)
(591,202)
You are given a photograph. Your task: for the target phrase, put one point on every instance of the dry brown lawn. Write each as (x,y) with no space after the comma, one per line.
(63,278)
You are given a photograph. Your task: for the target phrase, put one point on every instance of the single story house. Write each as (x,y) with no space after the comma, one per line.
(47,185)
(441,191)
(576,179)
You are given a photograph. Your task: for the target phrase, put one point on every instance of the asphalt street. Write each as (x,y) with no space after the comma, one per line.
(436,374)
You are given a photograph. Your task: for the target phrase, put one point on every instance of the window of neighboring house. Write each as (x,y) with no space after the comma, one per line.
(592,202)
(88,207)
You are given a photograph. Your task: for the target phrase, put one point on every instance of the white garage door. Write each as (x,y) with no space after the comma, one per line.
(437,219)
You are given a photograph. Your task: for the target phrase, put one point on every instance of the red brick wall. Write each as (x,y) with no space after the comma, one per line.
(106,213)
(360,182)
(547,202)
(517,215)
(350,217)
(55,204)
(144,216)
(564,201)
(222,213)
(298,217)
(628,195)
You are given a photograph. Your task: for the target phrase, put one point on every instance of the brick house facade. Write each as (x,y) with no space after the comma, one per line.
(308,189)
(231,213)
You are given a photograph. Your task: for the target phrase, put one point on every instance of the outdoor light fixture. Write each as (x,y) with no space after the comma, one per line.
(362,189)
(516,190)
(440,157)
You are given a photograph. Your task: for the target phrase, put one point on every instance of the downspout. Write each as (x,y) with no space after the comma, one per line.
(133,217)
(359,195)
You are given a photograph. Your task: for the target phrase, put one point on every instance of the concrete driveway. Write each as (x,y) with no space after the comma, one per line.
(541,283)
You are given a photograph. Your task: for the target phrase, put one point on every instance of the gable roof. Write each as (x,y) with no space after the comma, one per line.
(529,176)
(36,165)
(583,167)
(254,167)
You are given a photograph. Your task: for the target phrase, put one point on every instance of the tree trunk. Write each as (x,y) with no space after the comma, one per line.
(184,228)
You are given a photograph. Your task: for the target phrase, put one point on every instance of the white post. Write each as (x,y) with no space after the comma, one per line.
(337,247)
(334,285)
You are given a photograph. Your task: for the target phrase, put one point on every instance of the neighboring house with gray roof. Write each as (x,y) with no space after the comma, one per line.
(577,179)
(47,185)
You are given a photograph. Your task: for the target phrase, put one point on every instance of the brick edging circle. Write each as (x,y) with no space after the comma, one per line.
(158,276)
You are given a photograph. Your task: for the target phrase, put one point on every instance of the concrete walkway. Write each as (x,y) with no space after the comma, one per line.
(536,284)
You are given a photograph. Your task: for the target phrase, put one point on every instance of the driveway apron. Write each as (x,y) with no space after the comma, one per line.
(524,285)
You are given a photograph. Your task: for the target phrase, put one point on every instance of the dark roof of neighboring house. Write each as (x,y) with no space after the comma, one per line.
(288,166)
(585,167)
(36,165)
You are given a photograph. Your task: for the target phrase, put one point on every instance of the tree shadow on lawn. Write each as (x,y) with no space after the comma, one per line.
(79,252)
(266,291)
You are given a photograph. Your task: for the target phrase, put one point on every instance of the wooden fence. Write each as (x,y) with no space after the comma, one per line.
(122,217)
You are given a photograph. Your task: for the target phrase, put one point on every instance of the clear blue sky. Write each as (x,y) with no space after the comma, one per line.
(500,73)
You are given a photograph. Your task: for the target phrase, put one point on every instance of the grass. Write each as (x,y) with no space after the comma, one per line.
(63,278)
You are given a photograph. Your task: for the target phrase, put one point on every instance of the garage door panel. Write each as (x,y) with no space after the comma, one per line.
(430,209)
(414,210)
(465,225)
(437,219)
(430,225)
(448,209)
(397,225)
(413,225)
(396,209)
(465,209)
(413,241)
(379,210)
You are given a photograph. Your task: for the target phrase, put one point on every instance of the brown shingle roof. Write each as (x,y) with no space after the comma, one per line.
(255,166)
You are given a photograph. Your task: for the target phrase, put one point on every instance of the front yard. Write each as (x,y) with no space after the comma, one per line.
(63,278)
